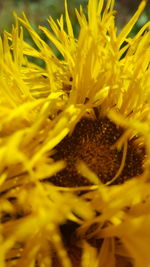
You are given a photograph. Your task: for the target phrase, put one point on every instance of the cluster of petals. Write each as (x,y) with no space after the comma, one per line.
(112,71)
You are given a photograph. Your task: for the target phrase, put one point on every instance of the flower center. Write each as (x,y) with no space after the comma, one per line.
(91,142)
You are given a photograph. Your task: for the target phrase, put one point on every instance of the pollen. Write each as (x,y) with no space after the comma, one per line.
(92,142)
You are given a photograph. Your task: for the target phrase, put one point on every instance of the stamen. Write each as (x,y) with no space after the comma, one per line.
(121,165)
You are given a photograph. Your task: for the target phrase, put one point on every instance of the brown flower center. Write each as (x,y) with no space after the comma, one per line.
(91,141)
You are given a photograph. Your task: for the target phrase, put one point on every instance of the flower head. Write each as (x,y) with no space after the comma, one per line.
(74,143)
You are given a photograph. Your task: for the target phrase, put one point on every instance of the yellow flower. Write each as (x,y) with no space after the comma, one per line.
(74,143)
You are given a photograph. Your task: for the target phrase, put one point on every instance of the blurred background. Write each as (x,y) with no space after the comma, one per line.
(38,11)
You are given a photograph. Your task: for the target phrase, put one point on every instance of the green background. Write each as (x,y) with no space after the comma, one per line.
(38,11)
